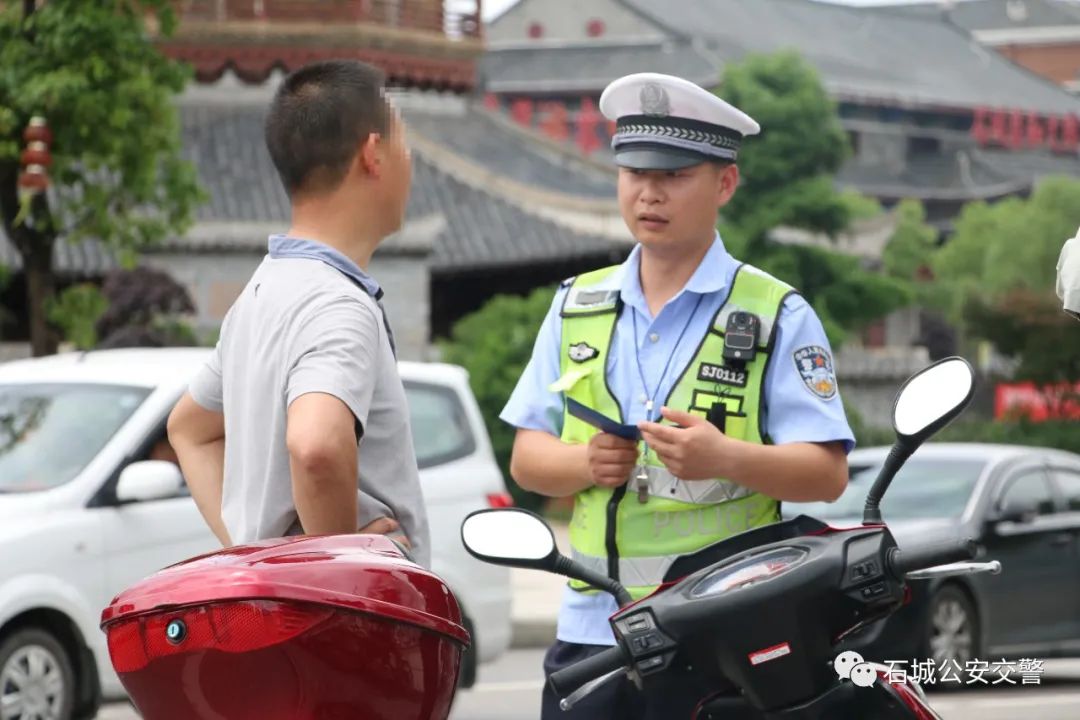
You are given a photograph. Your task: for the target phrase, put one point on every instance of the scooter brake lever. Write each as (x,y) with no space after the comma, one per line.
(587,689)
(954,569)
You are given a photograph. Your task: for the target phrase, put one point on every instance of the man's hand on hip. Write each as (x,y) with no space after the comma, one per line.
(386,526)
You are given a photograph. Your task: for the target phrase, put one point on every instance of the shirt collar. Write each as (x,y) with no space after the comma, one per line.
(712,275)
(283,246)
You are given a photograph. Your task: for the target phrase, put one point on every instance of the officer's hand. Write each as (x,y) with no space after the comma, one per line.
(611,459)
(695,451)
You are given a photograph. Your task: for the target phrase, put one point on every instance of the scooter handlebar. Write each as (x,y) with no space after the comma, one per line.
(942,552)
(565,681)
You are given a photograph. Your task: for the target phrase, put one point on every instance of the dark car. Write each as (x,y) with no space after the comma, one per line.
(1022,505)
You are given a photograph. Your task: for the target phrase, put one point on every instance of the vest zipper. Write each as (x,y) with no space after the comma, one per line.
(612,527)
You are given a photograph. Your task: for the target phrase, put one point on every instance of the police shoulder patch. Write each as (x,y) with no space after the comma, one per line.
(582,351)
(815,366)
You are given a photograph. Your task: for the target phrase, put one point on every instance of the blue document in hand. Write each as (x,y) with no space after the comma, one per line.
(603,422)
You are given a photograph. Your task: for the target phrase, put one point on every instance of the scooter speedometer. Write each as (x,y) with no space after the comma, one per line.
(749,571)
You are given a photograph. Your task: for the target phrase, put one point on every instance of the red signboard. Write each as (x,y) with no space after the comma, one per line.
(1015,130)
(1049,402)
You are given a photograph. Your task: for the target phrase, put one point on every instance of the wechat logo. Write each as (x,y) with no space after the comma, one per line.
(850,665)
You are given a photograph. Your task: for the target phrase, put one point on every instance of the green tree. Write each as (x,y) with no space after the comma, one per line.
(494,345)
(91,69)
(912,243)
(787,179)
(787,171)
(76,312)
(996,275)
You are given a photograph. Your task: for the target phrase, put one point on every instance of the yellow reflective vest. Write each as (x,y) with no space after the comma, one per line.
(611,531)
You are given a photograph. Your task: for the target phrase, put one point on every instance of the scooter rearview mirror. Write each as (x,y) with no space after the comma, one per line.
(519,538)
(931,399)
(927,402)
(512,537)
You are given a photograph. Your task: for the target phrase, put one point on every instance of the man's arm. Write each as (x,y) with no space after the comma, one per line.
(198,436)
(329,390)
(323,458)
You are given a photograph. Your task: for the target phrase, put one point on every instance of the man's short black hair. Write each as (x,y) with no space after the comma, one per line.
(317,120)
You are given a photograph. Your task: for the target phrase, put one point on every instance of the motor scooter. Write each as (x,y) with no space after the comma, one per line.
(753,621)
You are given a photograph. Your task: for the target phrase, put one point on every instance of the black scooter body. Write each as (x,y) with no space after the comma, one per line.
(767,639)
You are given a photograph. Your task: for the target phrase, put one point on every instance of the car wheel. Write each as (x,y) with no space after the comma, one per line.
(467,678)
(36,679)
(952,635)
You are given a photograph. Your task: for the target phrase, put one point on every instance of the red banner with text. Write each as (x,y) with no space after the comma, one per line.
(1060,401)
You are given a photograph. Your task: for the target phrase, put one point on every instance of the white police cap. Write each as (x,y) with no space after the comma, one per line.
(663,122)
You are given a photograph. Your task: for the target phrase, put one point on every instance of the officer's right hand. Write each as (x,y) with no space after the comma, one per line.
(611,459)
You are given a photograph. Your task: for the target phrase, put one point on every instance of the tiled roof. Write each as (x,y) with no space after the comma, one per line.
(481,228)
(77,260)
(978,15)
(589,68)
(862,56)
(500,146)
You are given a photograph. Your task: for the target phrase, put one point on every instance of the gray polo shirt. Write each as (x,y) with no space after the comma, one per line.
(309,321)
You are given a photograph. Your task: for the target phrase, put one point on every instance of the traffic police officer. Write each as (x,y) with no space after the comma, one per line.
(725,370)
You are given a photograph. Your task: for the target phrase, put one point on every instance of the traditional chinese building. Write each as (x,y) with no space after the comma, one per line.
(495,208)
(1040,35)
(931,114)
(418,43)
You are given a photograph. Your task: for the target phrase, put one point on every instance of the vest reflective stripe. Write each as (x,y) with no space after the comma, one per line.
(709,523)
(586,300)
(633,572)
(663,484)
(643,539)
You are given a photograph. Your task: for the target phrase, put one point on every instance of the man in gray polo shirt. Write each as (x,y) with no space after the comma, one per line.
(305,370)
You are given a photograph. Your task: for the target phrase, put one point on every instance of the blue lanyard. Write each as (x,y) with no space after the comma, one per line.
(650,403)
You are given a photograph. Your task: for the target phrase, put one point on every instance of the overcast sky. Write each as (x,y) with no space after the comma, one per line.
(495,7)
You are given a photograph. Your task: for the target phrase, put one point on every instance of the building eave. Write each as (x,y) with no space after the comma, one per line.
(410,58)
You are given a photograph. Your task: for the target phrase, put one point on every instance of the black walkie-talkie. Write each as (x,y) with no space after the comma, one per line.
(741,337)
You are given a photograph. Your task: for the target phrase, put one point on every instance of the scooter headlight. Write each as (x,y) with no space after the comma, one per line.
(749,571)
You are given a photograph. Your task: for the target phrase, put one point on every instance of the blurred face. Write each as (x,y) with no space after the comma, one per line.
(396,173)
(671,210)
(384,175)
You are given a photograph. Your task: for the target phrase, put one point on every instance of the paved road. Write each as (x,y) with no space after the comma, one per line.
(510,690)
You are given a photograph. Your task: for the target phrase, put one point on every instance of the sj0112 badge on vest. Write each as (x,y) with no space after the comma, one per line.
(722,374)
(815,367)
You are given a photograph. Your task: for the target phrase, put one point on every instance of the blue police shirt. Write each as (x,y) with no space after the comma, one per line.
(795,412)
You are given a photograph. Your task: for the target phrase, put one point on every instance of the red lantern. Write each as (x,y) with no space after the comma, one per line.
(36,157)
(33,182)
(37,133)
(36,154)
